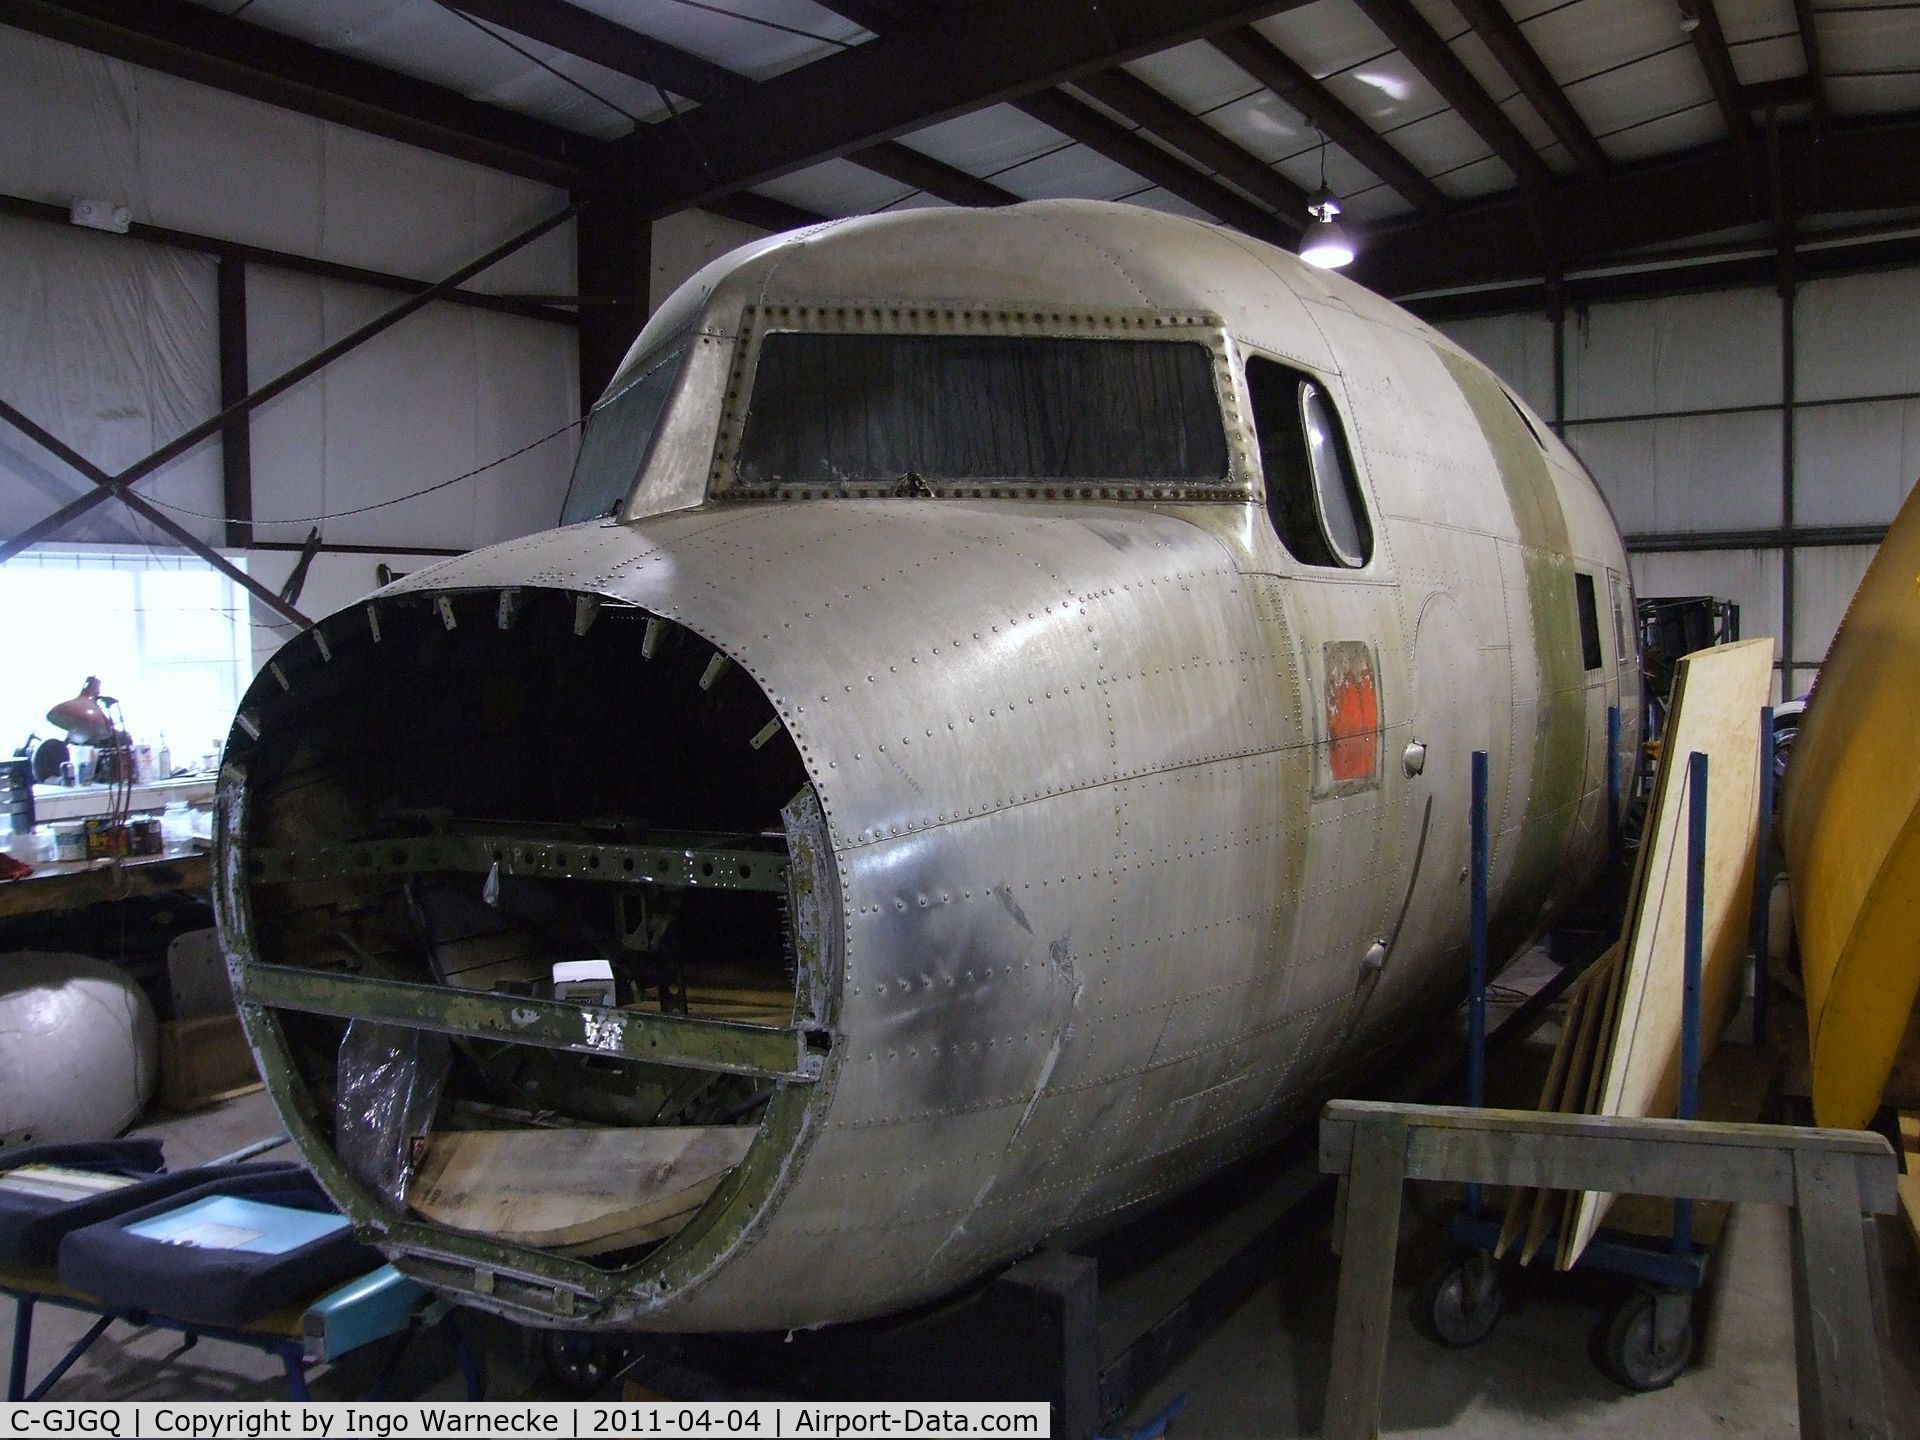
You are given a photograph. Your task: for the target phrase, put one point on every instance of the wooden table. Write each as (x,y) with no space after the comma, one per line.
(70,884)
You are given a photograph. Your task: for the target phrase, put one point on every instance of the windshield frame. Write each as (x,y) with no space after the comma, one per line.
(1013,321)
(673,351)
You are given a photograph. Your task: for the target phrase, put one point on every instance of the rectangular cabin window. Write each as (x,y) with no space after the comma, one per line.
(1589,621)
(620,435)
(1313,495)
(1622,636)
(864,409)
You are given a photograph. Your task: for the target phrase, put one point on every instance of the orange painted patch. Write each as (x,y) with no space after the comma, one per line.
(1353,721)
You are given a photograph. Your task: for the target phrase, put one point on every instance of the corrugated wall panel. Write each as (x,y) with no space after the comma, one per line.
(108,344)
(1697,472)
(430,399)
(1687,352)
(1824,579)
(1855,464)
(1859,335)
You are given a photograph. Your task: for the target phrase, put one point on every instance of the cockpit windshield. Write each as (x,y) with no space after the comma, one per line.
(620,434)
(831,409)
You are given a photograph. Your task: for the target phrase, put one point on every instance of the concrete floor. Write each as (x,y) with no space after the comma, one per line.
(1262,1374)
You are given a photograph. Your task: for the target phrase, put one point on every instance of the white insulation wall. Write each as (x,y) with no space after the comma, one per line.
(110,343)
(1677,407)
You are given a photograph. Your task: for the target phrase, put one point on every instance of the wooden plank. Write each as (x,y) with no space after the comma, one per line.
(1701,1158)
(1573,1039)
(1363,1309)
(1910,1205)
(1550,1205)
(1717,698)
(1841,1390)
(1596,1074)
(1733,1087)
(1520,1203)
(579,1191)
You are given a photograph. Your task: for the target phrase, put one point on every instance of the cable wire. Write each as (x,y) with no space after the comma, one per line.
(378,504)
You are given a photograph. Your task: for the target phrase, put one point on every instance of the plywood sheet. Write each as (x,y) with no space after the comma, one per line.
(1573,1087)
(1522,1200)
(1718,694)
(582,1192)
(1850,826)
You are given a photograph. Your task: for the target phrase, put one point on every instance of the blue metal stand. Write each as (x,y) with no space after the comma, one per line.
(1681,1266)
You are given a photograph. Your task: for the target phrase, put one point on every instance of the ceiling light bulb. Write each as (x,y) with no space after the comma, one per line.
(1326,244)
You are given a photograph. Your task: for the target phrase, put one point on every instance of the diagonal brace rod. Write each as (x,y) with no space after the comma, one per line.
(109,485)
(251,401)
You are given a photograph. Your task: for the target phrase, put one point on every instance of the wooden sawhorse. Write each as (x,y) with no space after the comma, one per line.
(1833,1180)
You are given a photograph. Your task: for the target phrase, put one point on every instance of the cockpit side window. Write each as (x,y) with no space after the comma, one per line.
(1313,495)
(620,434)
(832,409)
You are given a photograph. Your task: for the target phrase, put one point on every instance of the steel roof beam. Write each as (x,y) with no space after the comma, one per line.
(1502,34)
(1862,166)
(1154,114)
(1710,44)
(588,36)
(1410,34)
(762,211)
(1816,68)
(609,44)
(1081,122)
(1293,83)
(912,167)
(936,66)
(1127,94)
(204,46)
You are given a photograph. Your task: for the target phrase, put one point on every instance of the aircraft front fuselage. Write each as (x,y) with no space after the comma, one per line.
(1124,812)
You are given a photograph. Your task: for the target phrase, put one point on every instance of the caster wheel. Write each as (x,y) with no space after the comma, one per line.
(1459,1305)
(1646,1348)
(578,1364)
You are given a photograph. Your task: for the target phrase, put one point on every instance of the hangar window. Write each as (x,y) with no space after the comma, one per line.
(620,434)
(855,409)
(1589,621)
(1312,494)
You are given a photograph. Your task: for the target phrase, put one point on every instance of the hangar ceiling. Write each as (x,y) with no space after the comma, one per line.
(1477,142)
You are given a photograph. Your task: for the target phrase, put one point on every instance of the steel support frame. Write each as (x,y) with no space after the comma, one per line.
(109,485)
(236,438)
(720,1046)
(613,251)
(1834,1180)
(119,486)
(693,867)
(551,308)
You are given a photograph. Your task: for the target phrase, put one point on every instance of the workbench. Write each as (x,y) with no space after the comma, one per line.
(71,884)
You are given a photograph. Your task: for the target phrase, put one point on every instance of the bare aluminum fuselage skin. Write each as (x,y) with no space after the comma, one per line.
(1106,917)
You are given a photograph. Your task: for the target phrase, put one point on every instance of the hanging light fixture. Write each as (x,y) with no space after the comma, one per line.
(1326,242)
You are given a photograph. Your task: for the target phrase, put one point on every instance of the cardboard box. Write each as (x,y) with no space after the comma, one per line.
(203,1060)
